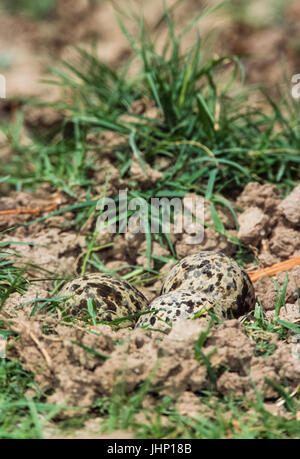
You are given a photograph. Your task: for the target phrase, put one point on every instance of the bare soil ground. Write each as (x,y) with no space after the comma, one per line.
(80,378)
(269,225)
(262,37)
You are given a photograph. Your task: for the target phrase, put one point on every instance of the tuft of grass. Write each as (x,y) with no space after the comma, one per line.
(11,277)
(263,330)
(206,137)
(221,418)
(20,415)
(211,139)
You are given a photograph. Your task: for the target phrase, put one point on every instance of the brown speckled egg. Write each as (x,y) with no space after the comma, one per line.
(216,276)
(113,298)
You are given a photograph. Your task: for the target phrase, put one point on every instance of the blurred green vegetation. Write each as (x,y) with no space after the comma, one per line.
(35,9)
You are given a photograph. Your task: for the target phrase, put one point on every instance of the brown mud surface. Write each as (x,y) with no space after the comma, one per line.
(54,248)
(79,378)
(260,36)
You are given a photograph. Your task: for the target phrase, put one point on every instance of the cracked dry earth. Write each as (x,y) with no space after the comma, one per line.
(54,351)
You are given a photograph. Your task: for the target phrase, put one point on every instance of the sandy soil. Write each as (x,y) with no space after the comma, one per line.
(268,225)
(31,47)
(80,378)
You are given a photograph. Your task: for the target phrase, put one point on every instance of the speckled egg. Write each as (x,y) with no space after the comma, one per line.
(173,306)
(113,298)
(198,283)
(217,276)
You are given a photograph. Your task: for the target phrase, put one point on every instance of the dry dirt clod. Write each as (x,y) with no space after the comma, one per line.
(290,207)
(146,175)
(267,293)
(78,377)
(253,226)
(256,195)
(285,242)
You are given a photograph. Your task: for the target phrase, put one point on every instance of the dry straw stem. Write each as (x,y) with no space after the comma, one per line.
(37,211)
(274,269)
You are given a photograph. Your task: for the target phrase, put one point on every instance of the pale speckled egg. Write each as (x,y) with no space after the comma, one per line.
(206,281)
(173,306)
(217,276)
